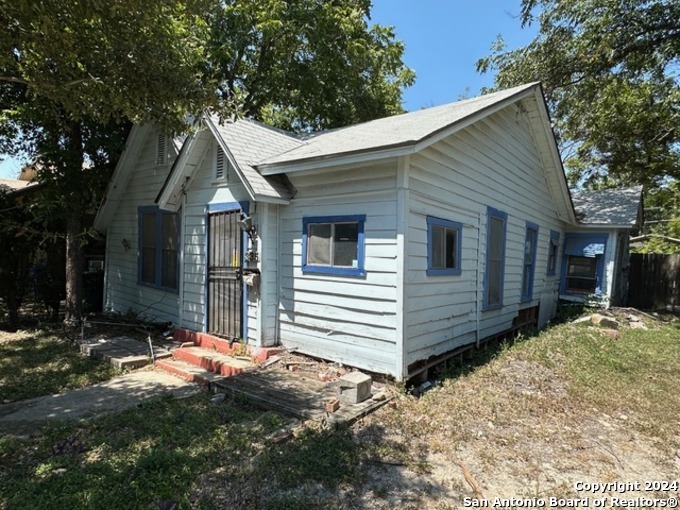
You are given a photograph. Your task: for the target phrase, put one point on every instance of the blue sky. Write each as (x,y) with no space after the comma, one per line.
(443,38)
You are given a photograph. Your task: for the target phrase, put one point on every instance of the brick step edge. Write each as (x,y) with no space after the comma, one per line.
(221,367)
(258,354)
(191,373)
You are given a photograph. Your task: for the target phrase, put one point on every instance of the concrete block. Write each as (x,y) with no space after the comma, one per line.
(354,387)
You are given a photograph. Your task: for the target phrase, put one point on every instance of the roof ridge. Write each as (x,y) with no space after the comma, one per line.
(288,134)
(482,97)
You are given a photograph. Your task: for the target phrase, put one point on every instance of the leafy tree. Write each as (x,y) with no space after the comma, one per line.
(307,64)
(610,73)
(18,241)
(73,75)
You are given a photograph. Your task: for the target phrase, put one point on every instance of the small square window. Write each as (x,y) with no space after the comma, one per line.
(443,247)
(333,245)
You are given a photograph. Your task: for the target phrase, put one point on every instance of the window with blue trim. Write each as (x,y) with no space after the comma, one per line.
(158,248)
(529,266)
(583,263)
(553,252)
(495,258)
(443,246)
(333,245)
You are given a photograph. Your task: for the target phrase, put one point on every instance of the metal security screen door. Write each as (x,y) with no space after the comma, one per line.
(224,274)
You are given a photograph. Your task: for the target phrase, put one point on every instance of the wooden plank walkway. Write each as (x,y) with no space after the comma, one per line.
(295,394)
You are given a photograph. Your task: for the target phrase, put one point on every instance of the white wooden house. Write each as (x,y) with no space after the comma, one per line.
(379,245)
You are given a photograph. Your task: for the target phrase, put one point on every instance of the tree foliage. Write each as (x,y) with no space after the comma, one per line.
(74,75)
(306,64)
(610,74)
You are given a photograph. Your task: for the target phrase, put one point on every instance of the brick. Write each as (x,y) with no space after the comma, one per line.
(332,405)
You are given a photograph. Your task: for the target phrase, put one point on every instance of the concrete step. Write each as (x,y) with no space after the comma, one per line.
(189,372)
(213,361)
(123,352)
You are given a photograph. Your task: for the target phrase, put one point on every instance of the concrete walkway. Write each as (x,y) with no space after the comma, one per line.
(22,418)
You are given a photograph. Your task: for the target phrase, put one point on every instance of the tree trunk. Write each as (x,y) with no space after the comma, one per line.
(74,231)
(74,266)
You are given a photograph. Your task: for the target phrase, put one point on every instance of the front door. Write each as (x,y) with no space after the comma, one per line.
(224,274)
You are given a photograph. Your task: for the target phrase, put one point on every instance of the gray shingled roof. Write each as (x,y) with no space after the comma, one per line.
(249,142)
(398,130)
(608,206)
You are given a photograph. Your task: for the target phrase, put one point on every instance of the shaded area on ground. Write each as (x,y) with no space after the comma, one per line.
(115,394)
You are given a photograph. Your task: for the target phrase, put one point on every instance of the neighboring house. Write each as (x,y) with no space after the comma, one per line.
(14,186)
(379,245)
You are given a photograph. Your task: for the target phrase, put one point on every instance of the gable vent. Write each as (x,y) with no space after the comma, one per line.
(220,164)
(161,149)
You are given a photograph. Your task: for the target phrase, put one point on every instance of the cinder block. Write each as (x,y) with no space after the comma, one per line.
(354,387)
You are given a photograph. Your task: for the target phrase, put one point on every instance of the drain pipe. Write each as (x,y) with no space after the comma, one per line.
(478,292)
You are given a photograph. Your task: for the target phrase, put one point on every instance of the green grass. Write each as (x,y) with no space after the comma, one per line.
(509,401)
(525,392)
(158,453)
(36,363)
(638,373)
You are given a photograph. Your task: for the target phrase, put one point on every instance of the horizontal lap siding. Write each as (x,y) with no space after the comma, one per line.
(123,293)
(202,191)
(269,274)
(342,318)
(494,163)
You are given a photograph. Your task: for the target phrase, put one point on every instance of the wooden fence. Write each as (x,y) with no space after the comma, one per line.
(654,281)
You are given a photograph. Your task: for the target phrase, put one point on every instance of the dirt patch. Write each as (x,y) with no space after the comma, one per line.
(518,432)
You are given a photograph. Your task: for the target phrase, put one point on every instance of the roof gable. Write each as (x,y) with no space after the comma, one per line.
(244,142)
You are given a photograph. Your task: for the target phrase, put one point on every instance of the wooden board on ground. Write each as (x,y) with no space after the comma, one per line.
(293,393)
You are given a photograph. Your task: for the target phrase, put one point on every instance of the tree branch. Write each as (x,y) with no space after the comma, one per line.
(13,79)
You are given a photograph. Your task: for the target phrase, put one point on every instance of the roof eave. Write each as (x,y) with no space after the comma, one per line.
(555,153)
(346,158)
(120,177)
(271,200)
(606,225)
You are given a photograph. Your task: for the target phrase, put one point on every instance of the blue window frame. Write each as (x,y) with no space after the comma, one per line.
(583,264)
(529,261)
(334,245)
(444,239)
(496,226)
(553,252)
(158,248)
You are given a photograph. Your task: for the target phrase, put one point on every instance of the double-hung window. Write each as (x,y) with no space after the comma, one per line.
(529,265)
(443,247)
(333,245)
(553,252)
(495,258)
(158,264)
